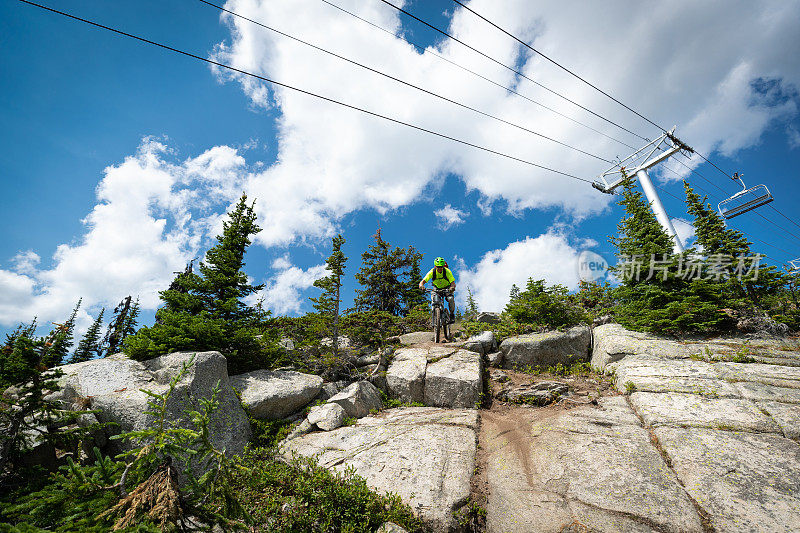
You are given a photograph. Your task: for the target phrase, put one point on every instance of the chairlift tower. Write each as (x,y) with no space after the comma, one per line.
(639,163)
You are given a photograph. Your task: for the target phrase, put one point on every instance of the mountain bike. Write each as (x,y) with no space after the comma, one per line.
(440,314)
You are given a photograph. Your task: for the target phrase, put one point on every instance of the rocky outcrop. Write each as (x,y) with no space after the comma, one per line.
(405,377)
(358,399)
(454,381)
(612,343)
(587,469)
(112,386)
(488,318)
(547,349)
(723,413)
(423,454)
(275,394)
(438,376)
(416,337)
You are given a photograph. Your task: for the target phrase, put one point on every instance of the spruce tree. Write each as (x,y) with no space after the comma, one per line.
(89,346)
(383,268)
(62,340)
(328,303)
(715,239)
(665,300)
(206,311)
(639,233)
(413,295)
(121,325)
(472,305)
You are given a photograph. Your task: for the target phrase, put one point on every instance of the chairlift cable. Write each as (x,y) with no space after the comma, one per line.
(406,83)
(559,65)
(303,91)
(706,159)
(515,71)
(481,76)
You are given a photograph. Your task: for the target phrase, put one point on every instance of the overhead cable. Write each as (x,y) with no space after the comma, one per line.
(406,83)
(481,76)
(512,69)
(556,63)
(303,91)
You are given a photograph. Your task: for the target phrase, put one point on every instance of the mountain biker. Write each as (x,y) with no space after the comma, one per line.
(442,279)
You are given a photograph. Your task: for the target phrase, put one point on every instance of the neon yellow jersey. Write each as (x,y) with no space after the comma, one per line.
(440,283)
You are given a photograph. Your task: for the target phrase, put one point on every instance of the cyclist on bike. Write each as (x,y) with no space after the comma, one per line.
(442,279)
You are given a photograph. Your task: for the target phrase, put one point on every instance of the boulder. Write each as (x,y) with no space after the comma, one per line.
(359,399)
(487,340)
(424,455)
(454,381)
(495,359)
(330,389)
(275,394)
(390,527)
(344,341)
(112,386)
(416,337)
(472,346)
(547,349)
(286,343)
(366,360)
(483,343)
(488,318)
(541,393)
(327,416)
(405,377)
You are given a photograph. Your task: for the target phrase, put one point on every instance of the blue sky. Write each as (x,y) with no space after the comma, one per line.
(91,120)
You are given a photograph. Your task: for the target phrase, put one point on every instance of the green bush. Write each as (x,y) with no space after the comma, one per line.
(370,328)
(507,327)
(545,307)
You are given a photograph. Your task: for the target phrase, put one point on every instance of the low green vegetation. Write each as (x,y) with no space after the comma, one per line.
(173,476)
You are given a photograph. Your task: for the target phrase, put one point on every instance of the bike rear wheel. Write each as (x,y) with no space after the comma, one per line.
(437,323)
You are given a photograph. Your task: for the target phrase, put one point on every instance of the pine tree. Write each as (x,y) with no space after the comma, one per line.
(640,234)
(122,325)
(472,305)
(663,302)
(328,303)
(513,295)
(206,311)
(62,340)
(89,347)
(715,239)
(413,295)
(382,269)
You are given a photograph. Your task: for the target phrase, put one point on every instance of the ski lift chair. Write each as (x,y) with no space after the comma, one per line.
(744,200)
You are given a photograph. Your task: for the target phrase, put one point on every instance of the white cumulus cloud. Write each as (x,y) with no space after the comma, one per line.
(549,256)
(680,63)
(283,293)
(151,217)
(449,216)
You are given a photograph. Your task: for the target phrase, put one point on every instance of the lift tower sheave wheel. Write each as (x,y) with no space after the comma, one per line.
(640,161)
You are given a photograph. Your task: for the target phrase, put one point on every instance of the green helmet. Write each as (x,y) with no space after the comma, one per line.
(439,262)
